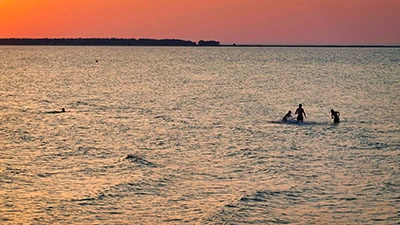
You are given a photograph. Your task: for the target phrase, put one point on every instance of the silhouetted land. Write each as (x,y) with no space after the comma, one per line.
(156,42)
(104,42)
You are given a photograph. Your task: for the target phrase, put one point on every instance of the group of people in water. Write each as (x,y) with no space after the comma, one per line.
(301,114)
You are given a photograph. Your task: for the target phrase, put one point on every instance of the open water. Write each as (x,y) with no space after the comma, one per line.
(189,135)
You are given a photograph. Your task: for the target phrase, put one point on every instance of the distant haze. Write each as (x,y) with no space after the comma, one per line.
(228,21)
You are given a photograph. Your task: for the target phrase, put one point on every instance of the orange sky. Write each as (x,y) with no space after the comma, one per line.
(228,21)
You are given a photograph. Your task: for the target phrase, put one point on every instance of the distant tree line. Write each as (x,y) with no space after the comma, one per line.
(105,42)
(208,43)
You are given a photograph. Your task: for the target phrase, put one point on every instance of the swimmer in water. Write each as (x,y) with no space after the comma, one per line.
(62,111)
(287,116)
(335,116)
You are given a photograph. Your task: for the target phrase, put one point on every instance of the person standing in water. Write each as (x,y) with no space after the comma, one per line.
(335,116)
(301,114)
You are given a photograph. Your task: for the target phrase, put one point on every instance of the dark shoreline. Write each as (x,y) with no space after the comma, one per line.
(163,42)
(104,42)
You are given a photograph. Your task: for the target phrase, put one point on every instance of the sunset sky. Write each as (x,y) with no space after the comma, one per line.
(227,21)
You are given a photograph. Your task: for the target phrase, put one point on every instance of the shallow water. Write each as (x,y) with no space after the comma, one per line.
(160,135)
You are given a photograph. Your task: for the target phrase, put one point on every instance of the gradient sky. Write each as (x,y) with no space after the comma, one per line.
(228,21)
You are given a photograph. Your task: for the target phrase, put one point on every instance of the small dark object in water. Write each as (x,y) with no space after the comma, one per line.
(139,160)
(62,111)
(129,156)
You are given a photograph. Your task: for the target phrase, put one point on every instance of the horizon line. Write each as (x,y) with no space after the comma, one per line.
(186,40)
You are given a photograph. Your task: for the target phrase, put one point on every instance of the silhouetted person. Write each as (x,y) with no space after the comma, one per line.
(287,116)
(335,116)
(301,114)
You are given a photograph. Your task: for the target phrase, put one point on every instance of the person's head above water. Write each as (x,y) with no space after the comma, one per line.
(62,110)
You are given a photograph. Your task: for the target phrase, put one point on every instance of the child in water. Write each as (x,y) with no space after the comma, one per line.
(335,116)
(287,116)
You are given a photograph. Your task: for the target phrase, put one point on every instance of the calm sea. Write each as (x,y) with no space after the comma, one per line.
(166,135)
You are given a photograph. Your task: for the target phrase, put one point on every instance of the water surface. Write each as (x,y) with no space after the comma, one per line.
(199,128)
